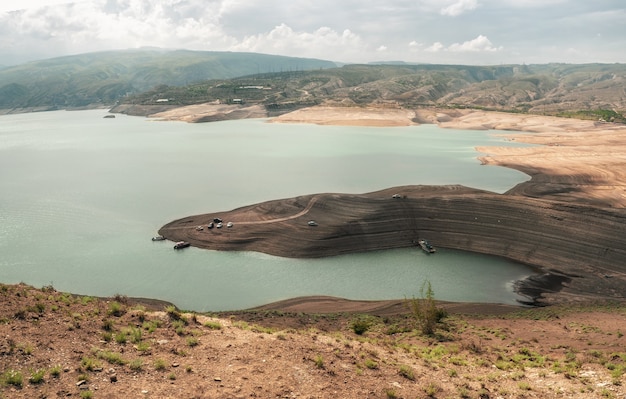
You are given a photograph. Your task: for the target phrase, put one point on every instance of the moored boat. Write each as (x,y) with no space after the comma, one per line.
(426,247)
(158,238)
(181,245)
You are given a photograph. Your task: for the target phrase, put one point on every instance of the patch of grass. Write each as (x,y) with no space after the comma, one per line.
(319,361)
(86,395)
(431,389)
(136,365)
(121,337)
(406,372)
(90,364)
(143,346)
(371,364)
(13,377)
(192,341)
(116,309)
(213,325)
(151,325)
(107,325)
(36,376)
(55,371)
(111,357)
(160,364)
(390,393)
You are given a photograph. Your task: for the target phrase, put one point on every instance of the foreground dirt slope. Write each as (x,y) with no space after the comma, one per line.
(55,345)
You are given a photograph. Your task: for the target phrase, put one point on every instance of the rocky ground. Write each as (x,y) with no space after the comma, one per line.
(57,345)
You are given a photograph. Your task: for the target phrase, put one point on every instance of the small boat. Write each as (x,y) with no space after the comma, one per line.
(181,245)
(426,247)
(229,224)
(158,238)
(210,225)
(219,225)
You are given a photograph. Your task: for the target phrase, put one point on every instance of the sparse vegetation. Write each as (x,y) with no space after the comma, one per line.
(474,357)
(425,311)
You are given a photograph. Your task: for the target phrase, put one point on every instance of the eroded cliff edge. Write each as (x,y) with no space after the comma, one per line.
(581,246)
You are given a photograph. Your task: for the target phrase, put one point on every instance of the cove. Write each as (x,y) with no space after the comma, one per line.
(82,195)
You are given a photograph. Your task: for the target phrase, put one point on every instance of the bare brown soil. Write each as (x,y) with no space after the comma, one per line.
(56,345)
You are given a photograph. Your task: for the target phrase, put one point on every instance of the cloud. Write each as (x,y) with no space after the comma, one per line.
(435,47)
(459,7)
(317,44)
(479,44)
(346,31)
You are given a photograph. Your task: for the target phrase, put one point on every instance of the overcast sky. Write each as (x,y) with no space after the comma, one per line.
(480,32)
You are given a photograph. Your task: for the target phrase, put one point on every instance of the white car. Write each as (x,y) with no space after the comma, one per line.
(229,224)
(312,223)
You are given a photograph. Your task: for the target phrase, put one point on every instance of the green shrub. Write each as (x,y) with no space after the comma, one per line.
(360,325)
(424,310)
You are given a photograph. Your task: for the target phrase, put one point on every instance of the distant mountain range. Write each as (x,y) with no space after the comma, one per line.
(280,84)
(104,78)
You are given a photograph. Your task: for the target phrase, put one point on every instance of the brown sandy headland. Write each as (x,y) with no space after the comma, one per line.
(567,221)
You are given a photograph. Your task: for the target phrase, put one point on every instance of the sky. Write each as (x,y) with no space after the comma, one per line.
(474,32)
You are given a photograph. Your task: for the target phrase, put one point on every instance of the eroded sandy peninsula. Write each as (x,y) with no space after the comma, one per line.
(567,220)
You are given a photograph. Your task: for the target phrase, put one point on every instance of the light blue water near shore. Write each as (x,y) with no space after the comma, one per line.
(82,195)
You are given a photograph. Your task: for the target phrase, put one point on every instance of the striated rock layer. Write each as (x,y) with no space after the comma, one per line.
(580,248)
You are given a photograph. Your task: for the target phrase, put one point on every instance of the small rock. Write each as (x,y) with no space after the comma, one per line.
(217,379)
(113,378)
(81,382)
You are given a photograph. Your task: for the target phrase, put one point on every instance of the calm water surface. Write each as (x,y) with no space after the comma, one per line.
(82,195)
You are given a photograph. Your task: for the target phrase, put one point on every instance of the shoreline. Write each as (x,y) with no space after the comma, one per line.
(576,181)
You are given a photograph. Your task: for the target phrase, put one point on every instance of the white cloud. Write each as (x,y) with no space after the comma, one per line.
(318,44)
(435,47)
(459,7)
(480,43)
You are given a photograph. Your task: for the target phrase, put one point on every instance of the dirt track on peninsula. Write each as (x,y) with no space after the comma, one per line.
(567,220)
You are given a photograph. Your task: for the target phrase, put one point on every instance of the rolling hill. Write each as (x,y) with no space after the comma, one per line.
(93,79)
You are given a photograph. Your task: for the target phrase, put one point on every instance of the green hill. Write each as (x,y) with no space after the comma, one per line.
(103,78)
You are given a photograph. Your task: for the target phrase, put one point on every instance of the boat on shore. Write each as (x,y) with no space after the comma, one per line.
(181,245)
(426,246)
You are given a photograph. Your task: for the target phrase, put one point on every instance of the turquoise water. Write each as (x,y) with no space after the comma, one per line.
(82,195)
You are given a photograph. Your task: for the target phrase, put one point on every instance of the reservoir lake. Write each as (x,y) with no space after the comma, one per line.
(82,195)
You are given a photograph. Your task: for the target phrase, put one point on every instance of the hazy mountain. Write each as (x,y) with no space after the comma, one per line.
(105,77)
